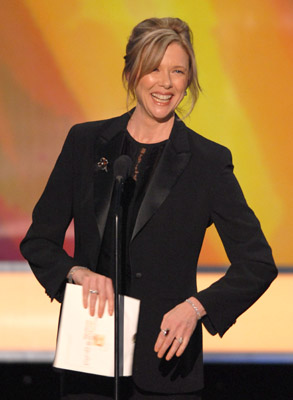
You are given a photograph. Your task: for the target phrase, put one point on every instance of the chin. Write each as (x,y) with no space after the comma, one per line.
(163,117)
(166,118)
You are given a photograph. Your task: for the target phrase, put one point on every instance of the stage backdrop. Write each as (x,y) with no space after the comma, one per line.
(61,63)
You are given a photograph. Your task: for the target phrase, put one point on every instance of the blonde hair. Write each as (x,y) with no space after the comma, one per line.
(146,47)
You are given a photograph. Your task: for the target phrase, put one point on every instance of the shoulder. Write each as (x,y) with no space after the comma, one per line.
(91,126)
(207,150)
(206,147)
(92,129)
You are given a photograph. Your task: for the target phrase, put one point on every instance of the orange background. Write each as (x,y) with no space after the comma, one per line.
(61,63)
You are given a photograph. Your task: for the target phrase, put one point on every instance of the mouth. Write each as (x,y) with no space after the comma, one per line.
(162,98)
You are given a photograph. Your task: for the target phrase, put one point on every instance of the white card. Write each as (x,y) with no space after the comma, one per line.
(86,343)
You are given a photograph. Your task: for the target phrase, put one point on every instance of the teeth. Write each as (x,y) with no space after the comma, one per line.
(162,96)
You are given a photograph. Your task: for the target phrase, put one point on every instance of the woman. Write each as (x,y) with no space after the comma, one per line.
(180,184)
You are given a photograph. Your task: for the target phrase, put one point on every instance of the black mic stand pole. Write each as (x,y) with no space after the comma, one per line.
(121,171)
(118,212)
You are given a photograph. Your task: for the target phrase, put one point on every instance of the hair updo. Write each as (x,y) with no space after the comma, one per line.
(146,47)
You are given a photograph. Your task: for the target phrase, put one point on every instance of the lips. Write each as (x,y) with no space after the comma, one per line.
(163,98)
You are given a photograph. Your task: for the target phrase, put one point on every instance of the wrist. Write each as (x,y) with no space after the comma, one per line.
(70,274)
(197,306)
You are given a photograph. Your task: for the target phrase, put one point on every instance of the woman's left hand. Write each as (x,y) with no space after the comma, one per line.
(176,329)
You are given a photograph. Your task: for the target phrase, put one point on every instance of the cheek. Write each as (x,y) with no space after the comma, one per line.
(182,90)
(181,85)
(151,79)
(185,84)
(144,86)
(147,83)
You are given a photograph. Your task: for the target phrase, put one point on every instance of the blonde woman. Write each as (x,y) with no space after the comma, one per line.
(180,184)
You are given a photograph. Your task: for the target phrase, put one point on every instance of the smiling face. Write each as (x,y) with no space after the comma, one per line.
(159,92)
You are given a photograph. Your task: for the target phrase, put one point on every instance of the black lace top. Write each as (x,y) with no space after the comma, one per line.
(145,158)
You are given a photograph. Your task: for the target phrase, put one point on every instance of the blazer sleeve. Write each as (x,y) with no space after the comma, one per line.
(43,243)
(252,266)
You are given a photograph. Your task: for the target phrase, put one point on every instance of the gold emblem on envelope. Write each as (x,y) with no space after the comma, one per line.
(99,340)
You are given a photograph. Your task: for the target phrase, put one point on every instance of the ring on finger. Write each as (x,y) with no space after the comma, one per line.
(94,291)
(164,331)
(180,339)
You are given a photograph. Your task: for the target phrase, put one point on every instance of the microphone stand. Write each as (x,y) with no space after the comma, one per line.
(121,171)
(117,238)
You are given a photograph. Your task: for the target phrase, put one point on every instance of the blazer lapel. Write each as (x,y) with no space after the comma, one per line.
(108,147)
(173,161)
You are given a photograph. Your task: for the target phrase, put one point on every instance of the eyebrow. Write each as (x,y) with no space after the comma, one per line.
(179,66)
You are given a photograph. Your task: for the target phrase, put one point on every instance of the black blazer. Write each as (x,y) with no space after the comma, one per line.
(193,186)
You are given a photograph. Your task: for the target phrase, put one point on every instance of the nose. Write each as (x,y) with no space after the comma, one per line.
(165,80)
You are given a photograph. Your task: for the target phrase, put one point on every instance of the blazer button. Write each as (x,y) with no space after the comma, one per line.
(138,275)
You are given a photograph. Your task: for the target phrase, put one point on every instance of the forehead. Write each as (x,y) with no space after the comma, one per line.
(175,54)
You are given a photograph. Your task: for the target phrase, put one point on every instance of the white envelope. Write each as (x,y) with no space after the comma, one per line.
(86,343)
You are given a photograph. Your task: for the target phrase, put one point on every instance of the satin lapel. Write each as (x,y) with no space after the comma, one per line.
(173,161)
(109,148)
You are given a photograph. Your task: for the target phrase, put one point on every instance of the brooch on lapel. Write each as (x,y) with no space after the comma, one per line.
(103,164)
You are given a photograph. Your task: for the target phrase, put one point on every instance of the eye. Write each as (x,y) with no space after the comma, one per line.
(179,71)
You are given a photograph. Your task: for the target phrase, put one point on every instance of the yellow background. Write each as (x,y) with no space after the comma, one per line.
(61,63)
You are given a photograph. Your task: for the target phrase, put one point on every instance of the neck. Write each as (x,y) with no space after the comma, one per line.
(147,130)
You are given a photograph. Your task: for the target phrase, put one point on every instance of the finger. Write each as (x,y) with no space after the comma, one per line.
(110,296)
(102,303)
(93,297)
(160,339)
(182,347)
(186,338)
(174,348)
(85,291)
(165,344)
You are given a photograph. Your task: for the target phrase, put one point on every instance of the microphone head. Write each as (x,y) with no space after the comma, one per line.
(122,167)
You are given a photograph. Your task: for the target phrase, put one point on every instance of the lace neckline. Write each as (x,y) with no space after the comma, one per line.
(144,144)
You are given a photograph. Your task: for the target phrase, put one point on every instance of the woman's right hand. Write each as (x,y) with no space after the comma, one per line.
(92,281)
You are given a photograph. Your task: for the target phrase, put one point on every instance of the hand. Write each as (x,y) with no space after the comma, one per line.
(92,281)
(179,323)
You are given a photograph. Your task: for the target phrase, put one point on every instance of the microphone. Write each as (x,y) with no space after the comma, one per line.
(122,168)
